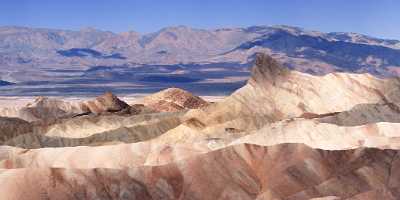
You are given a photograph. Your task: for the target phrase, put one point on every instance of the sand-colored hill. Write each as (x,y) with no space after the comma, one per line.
(173,99)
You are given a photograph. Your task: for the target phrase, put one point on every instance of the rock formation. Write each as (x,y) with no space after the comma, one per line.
(105,103)
(172,100)
(45,109)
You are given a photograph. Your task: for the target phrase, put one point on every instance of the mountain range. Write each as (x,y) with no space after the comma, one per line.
(188,56)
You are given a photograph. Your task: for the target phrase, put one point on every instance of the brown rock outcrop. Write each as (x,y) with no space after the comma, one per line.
(108,102)
(173,99)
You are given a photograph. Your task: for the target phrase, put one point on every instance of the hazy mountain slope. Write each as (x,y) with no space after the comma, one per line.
(171,45)
(345,55)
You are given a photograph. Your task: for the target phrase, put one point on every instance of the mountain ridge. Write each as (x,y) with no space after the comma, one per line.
(55,61)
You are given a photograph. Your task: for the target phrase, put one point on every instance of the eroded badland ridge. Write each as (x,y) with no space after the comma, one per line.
(285,135)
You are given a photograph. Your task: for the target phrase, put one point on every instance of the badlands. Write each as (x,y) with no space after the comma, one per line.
(285,135)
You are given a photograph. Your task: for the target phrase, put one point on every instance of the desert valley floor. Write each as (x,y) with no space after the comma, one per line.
(285,135)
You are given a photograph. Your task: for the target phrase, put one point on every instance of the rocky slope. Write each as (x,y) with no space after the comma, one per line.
(284,135)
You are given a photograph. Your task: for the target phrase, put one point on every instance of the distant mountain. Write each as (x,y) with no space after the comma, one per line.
(48,55)
(24,46)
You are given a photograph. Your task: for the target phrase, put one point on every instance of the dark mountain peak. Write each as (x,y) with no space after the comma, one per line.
(267,68)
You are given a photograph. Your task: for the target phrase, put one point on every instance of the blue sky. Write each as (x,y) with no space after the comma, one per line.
(379,18)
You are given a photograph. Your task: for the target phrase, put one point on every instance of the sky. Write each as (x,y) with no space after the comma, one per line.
(379,18)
